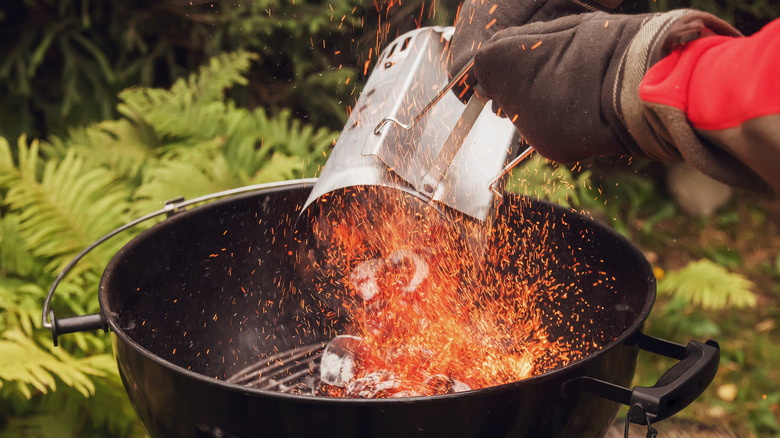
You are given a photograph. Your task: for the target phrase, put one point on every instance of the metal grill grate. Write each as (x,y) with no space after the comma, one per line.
(294,371)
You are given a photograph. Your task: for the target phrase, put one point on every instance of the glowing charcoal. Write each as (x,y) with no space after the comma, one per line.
(364,278)
(428,321)
(337,366)
(441,384)
(409,258)
(380,384)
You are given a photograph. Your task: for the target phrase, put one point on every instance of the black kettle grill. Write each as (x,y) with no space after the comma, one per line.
(208,294)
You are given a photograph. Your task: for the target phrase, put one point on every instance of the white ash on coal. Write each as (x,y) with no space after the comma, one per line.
(408,258)
(441,384)
(380,384)
(364,278)
(340,367)
(339,360)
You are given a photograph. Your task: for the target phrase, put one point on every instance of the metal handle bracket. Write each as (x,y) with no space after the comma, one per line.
(461,75)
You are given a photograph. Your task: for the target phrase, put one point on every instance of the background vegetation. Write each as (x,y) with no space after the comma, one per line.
(107,109)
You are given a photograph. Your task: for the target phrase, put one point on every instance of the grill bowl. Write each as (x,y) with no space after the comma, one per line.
(209,292)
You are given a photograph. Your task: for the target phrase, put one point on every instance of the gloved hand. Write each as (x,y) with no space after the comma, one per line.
(478,20)
(571,85)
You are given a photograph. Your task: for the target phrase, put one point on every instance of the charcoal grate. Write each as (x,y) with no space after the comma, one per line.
(294,371)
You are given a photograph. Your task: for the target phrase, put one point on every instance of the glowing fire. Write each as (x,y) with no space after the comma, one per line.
(426,318)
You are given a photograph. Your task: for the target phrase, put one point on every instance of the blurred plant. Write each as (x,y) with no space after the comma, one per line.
(60,195)
(631,201)
(709,285)
(62,63)
(703,300)
(700,285)
(543,179)
(627,200)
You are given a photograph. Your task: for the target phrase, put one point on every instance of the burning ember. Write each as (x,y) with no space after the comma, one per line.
(425,317)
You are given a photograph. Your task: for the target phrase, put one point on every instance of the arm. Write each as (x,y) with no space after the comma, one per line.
(708,95)
(717,99)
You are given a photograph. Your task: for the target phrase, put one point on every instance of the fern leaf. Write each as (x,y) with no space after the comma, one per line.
(290,136)
(20,303)
(556,184)
(187,171)
(189,107)
(14,257)
(279,168)
(65,207)
(23,361)
(120,145)
(709,285)
(67,413)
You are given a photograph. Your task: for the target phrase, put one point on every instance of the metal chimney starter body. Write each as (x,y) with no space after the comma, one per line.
(440,159)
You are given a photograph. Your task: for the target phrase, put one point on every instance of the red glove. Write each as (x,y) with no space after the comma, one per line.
(717,99)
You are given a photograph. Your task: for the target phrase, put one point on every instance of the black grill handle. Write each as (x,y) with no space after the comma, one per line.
(678,387)
(75,324)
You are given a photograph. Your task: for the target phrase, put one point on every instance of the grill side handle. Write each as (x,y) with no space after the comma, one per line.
(678,387)
(74,324)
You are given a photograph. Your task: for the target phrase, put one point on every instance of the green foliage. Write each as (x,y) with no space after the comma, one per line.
(67,413)
(20,304)
(62,205)
(14,257)
(205,143)
(63,62)
(540,178)
(60,195)
(627,200)
(709,285)
(632,201)
(39,366)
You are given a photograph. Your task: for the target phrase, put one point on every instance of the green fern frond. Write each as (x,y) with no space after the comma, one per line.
(109,406)
(31,368)
(245,150)
(67,414)
(120,145)
(293,148)
(187,169)
(538,179)
(709,285)
(14,257)
(64,207)
(20,305)
(175,178)
(279,167)
(191,108)
(292,137)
